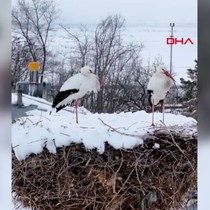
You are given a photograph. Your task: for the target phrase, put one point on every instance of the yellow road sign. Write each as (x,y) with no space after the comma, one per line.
(33,66)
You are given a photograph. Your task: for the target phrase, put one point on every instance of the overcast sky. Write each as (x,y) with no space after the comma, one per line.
(147,13)
(140,13)
(134,11)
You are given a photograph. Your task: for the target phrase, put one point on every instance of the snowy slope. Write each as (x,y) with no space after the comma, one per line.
(124,130)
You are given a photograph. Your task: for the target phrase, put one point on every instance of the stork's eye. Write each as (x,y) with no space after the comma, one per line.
(90,71)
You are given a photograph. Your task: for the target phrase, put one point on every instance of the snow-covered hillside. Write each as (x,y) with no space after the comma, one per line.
(124,130)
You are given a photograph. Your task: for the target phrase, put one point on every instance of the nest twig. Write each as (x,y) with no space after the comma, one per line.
(143,178)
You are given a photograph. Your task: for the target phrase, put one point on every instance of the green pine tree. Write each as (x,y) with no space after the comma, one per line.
(190,86)
(190,89)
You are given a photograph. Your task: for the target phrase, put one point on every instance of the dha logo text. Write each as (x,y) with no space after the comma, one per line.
(176,41)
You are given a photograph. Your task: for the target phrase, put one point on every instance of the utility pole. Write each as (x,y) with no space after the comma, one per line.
(172,35)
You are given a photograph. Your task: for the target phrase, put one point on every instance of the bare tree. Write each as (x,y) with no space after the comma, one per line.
(82,45)
(19,58)
(117,62)
(111,58)
(134,87)
(35,20)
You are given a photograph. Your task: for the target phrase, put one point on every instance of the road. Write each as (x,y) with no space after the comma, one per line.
(18,112)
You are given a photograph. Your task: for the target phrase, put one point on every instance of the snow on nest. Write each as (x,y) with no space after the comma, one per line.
(124,130)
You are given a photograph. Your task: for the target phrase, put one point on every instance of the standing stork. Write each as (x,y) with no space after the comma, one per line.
(76,87)
(157,88)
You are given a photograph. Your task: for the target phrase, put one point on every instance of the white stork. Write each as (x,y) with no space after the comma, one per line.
(157,88)
(76,87)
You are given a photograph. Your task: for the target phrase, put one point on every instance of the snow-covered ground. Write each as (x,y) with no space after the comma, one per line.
(124,130)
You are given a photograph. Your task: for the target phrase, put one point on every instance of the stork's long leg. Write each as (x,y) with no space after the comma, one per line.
(76,108)
(153,110)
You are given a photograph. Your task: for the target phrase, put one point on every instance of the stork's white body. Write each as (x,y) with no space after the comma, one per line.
(84,83)
(158,86)
(76,87)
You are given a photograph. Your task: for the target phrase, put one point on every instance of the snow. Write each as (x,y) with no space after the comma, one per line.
(17,206)
(124,130)
(156,146)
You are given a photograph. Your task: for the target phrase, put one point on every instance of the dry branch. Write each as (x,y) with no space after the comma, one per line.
(115,130)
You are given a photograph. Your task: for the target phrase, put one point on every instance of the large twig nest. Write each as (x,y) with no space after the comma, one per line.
(143,178)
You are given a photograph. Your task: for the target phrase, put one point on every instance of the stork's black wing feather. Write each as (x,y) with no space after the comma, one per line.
(61,96)
(150,92)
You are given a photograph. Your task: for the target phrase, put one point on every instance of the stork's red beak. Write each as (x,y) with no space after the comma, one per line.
(168,75)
